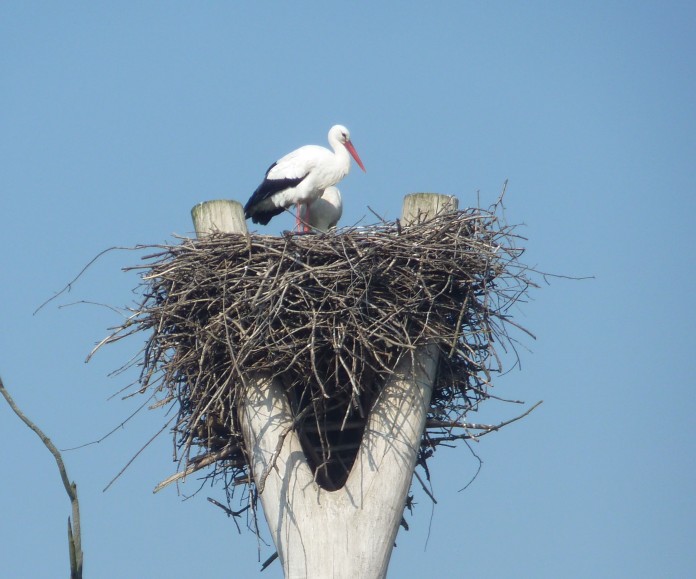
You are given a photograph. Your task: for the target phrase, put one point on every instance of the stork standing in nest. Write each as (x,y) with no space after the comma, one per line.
(301,177)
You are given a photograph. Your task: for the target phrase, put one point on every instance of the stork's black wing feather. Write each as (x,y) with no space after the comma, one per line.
(267,189)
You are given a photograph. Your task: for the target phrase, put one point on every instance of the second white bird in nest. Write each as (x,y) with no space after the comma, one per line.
(323,213)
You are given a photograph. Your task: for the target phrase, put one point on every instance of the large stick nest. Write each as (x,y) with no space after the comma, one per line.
(329,315)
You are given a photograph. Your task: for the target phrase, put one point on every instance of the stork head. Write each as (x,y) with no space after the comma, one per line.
(340,134)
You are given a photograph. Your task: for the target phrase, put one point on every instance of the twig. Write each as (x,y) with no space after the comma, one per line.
(268,561)
(196,466)
(154,436)
(230,513)
(276,453)
(476,426)
(424,487)
(69,285)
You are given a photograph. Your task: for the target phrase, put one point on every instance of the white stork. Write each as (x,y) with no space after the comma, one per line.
(323,213)
(302,176)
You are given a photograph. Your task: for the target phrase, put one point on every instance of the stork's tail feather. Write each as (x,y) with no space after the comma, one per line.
(262,217)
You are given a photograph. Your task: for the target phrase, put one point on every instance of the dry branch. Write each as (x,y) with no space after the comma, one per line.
(74,526)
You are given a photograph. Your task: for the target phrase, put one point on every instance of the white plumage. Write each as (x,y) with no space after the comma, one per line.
(323,213)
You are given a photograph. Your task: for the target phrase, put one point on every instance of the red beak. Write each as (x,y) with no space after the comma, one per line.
(354,154)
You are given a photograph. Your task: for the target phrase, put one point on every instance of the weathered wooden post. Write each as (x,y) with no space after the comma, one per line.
(218,215)
(420,206)
(349,532)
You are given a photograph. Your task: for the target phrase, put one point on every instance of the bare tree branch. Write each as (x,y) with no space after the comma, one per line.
(74,536)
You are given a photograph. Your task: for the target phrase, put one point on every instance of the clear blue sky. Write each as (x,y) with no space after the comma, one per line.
(116,118)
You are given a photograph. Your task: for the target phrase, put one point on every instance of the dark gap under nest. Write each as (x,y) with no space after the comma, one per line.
(329,315)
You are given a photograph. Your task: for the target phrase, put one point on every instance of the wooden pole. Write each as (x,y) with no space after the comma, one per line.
(348,533)
(219,215)
(419,207)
